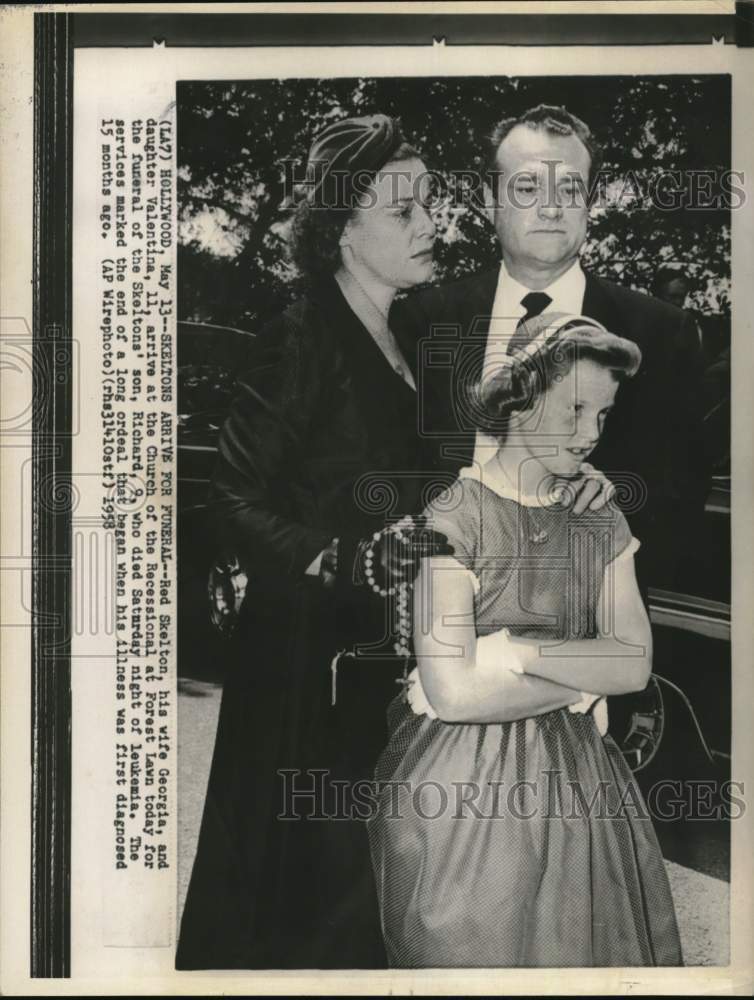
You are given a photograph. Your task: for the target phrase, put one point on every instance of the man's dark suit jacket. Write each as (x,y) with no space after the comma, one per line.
(652,444)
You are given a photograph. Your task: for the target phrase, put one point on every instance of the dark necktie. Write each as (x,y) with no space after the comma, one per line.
(534,303)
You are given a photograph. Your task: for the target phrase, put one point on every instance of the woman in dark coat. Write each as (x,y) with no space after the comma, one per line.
(320,451)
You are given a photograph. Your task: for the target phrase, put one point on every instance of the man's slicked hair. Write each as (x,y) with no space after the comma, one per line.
(545,118)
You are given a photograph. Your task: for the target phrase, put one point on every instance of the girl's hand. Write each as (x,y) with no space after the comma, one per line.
(495,650)
(596,705)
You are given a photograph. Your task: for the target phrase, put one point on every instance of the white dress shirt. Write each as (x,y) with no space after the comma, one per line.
(567,294)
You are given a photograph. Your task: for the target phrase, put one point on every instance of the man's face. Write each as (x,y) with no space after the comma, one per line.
(540,211)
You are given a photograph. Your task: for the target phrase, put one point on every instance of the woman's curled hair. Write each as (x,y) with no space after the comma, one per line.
(318,222)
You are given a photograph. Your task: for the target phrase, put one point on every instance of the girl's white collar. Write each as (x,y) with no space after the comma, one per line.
(491,475)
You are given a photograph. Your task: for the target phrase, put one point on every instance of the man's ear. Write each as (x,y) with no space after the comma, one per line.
(345,236)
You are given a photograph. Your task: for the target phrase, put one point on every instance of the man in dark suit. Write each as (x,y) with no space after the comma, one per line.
(539,171)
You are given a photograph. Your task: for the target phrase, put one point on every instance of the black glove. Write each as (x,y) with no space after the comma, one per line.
(392,556)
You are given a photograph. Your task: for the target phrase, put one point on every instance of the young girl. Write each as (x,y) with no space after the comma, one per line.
(509,831)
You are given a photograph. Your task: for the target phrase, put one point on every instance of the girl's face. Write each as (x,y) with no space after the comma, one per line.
(390,237)
(565,424)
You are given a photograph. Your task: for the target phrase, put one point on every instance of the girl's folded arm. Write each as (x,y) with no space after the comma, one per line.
(459,685)
(619,660)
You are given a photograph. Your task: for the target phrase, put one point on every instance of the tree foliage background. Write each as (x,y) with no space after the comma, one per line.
(237,142)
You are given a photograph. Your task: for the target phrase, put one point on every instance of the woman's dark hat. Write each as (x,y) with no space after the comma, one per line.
(346,148)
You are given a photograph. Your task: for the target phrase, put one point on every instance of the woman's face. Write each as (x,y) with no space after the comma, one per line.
(391,235)
(565,424)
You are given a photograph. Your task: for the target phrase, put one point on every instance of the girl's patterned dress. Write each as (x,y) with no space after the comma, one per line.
(524,843)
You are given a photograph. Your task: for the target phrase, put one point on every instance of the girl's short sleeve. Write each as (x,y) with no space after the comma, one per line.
(456,513)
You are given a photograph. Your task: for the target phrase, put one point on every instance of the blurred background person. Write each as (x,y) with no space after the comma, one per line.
(671,284)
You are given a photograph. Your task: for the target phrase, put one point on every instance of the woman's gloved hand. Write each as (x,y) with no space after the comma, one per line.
(392,556)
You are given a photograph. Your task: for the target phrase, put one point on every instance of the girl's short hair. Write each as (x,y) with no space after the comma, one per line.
(556,342)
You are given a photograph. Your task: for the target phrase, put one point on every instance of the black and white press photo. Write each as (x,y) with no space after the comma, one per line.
(376,463)
(454,521)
